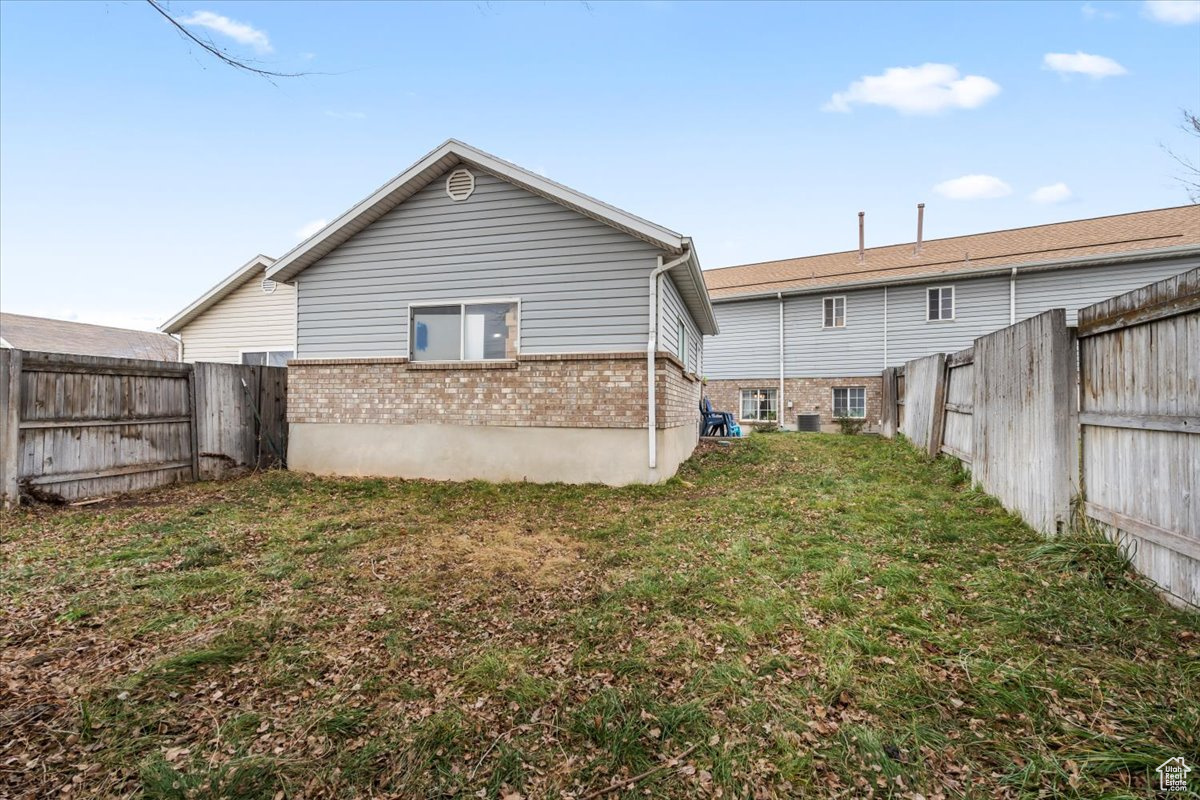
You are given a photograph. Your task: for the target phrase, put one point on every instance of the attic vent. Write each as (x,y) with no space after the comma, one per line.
(460,184)
(268,286)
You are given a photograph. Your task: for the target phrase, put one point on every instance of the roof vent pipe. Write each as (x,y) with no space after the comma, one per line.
(861,240)
(920,228)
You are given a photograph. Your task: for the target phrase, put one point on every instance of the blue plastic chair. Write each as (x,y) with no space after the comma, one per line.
(716,423)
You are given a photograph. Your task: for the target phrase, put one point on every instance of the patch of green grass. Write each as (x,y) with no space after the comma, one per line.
(804,615)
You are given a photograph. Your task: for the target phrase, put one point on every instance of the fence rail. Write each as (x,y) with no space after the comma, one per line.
(74,427)
(1106,416)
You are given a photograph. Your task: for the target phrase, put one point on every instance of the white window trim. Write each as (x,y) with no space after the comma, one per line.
(268,349)
(774,389)
(681,340)
(833,401)
(835,298)
(462,339)
(953,303)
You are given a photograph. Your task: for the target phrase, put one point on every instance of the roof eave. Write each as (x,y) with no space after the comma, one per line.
(1180,251)
(215,294)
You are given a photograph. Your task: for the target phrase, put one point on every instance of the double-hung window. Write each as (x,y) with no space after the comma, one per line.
(835,312)
(850,401)
(760,405)
(463,331)
(267,358)
(940,303)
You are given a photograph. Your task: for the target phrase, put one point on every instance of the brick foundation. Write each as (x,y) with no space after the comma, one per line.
(601,390)
(807,395)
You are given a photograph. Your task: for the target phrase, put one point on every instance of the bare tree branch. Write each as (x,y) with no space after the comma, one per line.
(218,52)
(1191,169)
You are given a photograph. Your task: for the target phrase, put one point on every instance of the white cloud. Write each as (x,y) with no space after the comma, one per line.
(308,229)
(1173,12)
(1083,64)
(1054,193)
(926,89)
(973,187)
(1090,11)
(240,32)
(346,114)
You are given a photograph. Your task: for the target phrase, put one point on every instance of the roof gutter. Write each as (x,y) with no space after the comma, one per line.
(1182,251)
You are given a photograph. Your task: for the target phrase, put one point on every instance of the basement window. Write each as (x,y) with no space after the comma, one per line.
(940,303)
(835,312)
(267,358)
(850,401)
(760,405)
(464,331)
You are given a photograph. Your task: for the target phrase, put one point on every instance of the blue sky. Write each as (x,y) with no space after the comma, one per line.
(136,171)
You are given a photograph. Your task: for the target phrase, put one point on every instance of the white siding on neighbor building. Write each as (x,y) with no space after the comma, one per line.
(246,319)
(812,351)
(748,345)
(582,284)
(748,348)
(980,307)
(673,309)
(1073,289)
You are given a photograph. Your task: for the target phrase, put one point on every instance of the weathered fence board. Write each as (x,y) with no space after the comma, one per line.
(958,427)
(74,427)
(1024,425)
(924,386)
(240,413)
(1140,405)
(889,423)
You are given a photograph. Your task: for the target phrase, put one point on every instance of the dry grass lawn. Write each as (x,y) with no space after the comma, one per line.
(795,615)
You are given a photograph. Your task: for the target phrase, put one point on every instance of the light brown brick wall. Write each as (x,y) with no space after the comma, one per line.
(605,390)
(808,396)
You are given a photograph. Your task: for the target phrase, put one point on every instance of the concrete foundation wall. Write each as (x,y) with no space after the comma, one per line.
(613,456)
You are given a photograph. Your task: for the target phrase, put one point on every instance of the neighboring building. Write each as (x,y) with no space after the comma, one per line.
(59,336)
(812,335)
(244,319)
(471,319)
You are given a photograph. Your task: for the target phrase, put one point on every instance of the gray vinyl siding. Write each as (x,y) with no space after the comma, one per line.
(980,307)
(582,284)
(811,351)
(672,310)
(748,345)
(1073,289)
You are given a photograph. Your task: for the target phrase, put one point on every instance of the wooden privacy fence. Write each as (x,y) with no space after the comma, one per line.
(1139,367)
(74,427)
(1044,415)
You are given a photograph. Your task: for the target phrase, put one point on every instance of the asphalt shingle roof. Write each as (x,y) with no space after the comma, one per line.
(59,336)
(1143,230)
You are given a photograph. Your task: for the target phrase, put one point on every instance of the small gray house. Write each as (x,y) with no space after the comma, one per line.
(472,319)
(811,336)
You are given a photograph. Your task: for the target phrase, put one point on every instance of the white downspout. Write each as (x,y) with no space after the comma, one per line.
(779,405)
(1012,297)
(885,353)
(651,348)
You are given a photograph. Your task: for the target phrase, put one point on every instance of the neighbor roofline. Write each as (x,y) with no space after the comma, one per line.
(927,242)
(1126,257)
(215,294)
(335,233)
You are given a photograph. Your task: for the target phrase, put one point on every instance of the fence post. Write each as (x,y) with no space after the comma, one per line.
(10,426)
(889,422)
(194,422)
(937,427)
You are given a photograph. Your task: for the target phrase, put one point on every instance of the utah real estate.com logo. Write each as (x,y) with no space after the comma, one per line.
(1173,775)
